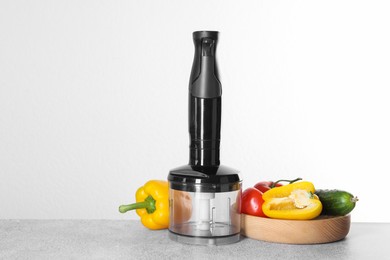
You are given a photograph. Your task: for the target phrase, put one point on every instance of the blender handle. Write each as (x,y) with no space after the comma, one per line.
(205,93)
(204,80)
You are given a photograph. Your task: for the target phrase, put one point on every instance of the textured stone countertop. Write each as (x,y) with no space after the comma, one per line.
(118,239)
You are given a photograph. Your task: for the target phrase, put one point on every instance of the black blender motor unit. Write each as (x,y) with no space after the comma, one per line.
(204,195)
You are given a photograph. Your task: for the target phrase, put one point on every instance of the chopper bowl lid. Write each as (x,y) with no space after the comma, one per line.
(204,178)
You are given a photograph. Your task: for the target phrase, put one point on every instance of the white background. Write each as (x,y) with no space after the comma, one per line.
(93,99)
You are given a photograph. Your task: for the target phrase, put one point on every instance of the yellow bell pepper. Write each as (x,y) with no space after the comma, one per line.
(292,201)
(152,204)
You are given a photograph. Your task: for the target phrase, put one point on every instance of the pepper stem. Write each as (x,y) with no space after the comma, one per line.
(289,181)
(149,204)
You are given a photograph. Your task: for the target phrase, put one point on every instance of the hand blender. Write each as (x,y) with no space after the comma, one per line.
(204,196)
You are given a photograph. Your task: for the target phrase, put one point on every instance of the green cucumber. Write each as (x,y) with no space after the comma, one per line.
(336,202)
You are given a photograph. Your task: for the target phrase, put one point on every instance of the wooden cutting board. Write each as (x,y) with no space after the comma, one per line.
(323,229)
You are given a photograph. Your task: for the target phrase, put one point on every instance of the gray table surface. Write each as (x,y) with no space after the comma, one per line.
(119,239)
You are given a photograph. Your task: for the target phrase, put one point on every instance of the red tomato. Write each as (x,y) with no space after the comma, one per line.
(252,202)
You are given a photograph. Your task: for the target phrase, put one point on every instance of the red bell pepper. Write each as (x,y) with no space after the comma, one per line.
(263,186)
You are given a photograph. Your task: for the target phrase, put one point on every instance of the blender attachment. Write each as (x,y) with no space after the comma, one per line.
(204,196)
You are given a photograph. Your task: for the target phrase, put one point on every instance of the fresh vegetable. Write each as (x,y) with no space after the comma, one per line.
(251,202)
(292,201)
(151,205)
(264,186)
(336,202)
